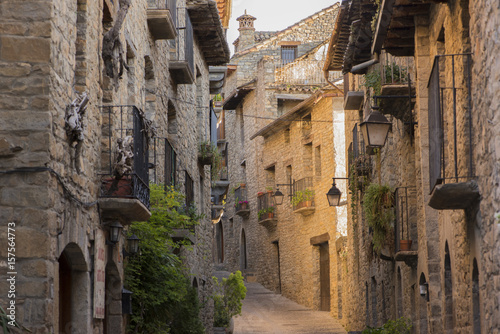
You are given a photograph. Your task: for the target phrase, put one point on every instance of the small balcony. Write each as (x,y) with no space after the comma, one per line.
(303,72)
(266,213)
(451,165)
(303,196)
(161,22)
(163,163)
(124,193)
(242,207)
(405,227)
(181,65)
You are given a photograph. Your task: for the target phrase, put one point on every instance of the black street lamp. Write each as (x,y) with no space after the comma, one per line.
(133,244)
(334,194)
(278,197)
(114,232)
(375,129)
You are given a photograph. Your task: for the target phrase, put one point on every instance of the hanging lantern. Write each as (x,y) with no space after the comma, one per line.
(375,129)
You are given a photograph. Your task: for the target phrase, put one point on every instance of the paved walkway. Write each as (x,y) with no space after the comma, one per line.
(266,312)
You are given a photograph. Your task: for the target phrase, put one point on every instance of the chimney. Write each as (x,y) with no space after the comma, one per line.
(247,30)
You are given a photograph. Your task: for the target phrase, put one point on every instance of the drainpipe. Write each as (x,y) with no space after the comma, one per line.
(362,66)
(325,73)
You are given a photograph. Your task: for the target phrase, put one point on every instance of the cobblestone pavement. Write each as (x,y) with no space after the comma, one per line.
(266,312)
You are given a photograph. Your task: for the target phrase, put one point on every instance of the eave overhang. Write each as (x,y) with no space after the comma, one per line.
(234,99)
(294,114)
(208,29)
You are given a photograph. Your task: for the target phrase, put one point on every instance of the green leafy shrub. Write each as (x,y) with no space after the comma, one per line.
(399,326)
(162,300)
(377,205)
(228,296)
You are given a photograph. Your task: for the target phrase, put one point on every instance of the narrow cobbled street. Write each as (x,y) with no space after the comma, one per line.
(266,312)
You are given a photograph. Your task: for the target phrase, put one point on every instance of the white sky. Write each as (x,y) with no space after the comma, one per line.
(273,15)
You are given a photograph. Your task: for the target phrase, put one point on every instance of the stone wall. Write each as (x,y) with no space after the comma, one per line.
(49,53)
(452,244)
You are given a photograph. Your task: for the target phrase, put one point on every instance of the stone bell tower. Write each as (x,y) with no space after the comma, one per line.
(247,31)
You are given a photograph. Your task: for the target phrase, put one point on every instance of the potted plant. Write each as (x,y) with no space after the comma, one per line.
(377,205)
(398,326)
(269,189)
(206,152)
(227,297)
(303,198)
(260,193)
(270,212)
(243,205)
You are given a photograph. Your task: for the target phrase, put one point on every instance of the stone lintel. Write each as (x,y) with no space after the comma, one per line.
(319,239)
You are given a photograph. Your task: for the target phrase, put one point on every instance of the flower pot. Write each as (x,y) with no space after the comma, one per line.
(243,185)
(260,193)
(304,204)
(117,188)
(270,215)
(243,206)
(405,245)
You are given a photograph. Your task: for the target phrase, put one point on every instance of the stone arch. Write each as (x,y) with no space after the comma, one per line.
(150,88)
(422,308)
(243,250)
(113,303)
(195,283)
(476,310)
(73,291)
(448,292)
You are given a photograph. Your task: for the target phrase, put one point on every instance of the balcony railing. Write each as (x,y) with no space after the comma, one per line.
(163,169)
(450,133)
(242,207)
(303,194)
(395,70)
(266,208)
(405,218)
(303,72)
(182,66)
(450,124)
(125,154)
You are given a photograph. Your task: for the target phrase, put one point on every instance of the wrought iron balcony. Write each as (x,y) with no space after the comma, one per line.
(124,176)
(303,196)
(451,165)
(163,169)
(266,209)
(242,207)
(181,65)
(405,227)
(303,72)
(162,22)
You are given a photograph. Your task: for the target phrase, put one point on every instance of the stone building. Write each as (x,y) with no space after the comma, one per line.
(428,67)
(82,86)
(278,112)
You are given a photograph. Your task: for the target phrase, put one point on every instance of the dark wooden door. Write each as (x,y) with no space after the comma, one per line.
(64,295)
(324,276)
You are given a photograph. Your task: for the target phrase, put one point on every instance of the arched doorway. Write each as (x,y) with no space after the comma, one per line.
(422,308)
(113,303)
(448,293)
(476,311)
(243,251)
(74,291)
(220,242)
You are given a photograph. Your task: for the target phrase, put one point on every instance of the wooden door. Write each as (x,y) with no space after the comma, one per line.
(324,275)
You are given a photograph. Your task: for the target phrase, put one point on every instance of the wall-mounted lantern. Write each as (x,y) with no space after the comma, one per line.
(133,245)
(115,228)
(278,195)
(375,129)
(334,194)
(424,290)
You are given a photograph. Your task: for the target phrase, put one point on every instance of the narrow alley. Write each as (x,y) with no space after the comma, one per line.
(266,312)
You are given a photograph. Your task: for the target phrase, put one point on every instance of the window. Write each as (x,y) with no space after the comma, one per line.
(170,164)
(189,189)
(288,53)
